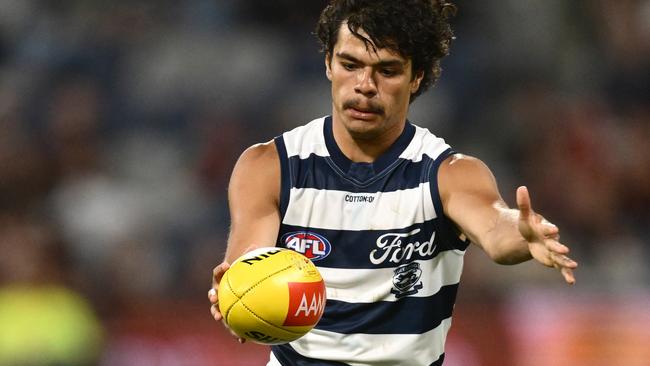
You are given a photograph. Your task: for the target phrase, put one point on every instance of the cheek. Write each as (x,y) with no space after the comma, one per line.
(399,93)
(340,86)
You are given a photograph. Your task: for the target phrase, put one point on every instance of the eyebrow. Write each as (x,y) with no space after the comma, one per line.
(382,63)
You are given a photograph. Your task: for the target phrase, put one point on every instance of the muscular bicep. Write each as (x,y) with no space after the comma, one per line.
(253,198)
(470,197)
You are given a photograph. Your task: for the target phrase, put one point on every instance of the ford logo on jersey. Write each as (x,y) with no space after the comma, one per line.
(311,245)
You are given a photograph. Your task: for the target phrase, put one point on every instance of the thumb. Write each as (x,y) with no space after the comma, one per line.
(523,203)
(218,272)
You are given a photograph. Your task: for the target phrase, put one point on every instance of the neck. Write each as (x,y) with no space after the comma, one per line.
(365,149)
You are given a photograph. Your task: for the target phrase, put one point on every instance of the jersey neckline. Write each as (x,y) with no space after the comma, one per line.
(366,171)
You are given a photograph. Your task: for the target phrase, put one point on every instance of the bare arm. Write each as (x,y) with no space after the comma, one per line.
(471,199)
(253,198)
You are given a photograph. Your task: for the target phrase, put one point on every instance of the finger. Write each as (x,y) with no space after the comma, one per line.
(217,273)
(568,275)
(235,335)
(212,296)
(216,314)
(523,203)
(555,236)
(561,260)
(556,247)
(550,229)
(569,263)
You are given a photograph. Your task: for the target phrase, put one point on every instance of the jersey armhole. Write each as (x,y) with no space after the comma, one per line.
(445,224)
(285,175)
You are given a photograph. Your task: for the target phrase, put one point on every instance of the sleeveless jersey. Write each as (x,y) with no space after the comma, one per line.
(390,259)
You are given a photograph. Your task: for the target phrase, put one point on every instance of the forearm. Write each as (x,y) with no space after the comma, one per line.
(472,201)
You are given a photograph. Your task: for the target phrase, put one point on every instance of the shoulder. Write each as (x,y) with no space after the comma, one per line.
(464,173)
(461,164)
(259,154)
(257,164)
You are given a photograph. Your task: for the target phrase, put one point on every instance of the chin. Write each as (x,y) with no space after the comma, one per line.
(363,130)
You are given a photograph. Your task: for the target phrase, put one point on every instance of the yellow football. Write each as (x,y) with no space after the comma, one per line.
(272,295)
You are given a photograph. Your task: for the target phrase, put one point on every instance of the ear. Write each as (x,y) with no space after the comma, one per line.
(415,83)
(328,66)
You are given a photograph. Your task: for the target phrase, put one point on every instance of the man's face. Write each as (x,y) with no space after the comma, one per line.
(370,90)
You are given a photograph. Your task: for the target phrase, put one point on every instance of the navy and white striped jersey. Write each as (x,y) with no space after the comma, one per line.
(390,259)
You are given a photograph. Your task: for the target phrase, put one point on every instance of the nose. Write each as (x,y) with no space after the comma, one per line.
(365,83)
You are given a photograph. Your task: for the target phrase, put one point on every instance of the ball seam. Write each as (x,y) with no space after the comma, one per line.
(239,299)
(267,322)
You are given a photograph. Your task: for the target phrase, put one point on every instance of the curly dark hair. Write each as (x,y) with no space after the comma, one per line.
(418,30)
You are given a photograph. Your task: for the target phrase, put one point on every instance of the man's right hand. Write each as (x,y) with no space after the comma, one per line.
(217,274)
(213,296)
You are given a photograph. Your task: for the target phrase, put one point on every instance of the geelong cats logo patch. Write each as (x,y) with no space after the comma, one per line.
(406,280)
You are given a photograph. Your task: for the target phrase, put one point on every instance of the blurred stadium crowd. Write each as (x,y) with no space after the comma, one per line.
(120,123)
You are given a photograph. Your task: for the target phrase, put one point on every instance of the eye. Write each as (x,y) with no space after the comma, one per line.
(388,72)
(348,66)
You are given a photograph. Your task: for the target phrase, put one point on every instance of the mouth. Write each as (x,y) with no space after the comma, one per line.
(363,111)
(362,114)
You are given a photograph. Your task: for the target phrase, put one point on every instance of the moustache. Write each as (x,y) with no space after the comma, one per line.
(371,106)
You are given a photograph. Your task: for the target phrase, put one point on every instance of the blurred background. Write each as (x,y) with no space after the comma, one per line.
(120,123)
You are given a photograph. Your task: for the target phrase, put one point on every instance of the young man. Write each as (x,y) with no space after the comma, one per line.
(389,206)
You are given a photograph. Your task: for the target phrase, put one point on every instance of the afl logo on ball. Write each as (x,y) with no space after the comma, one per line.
(311,245)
